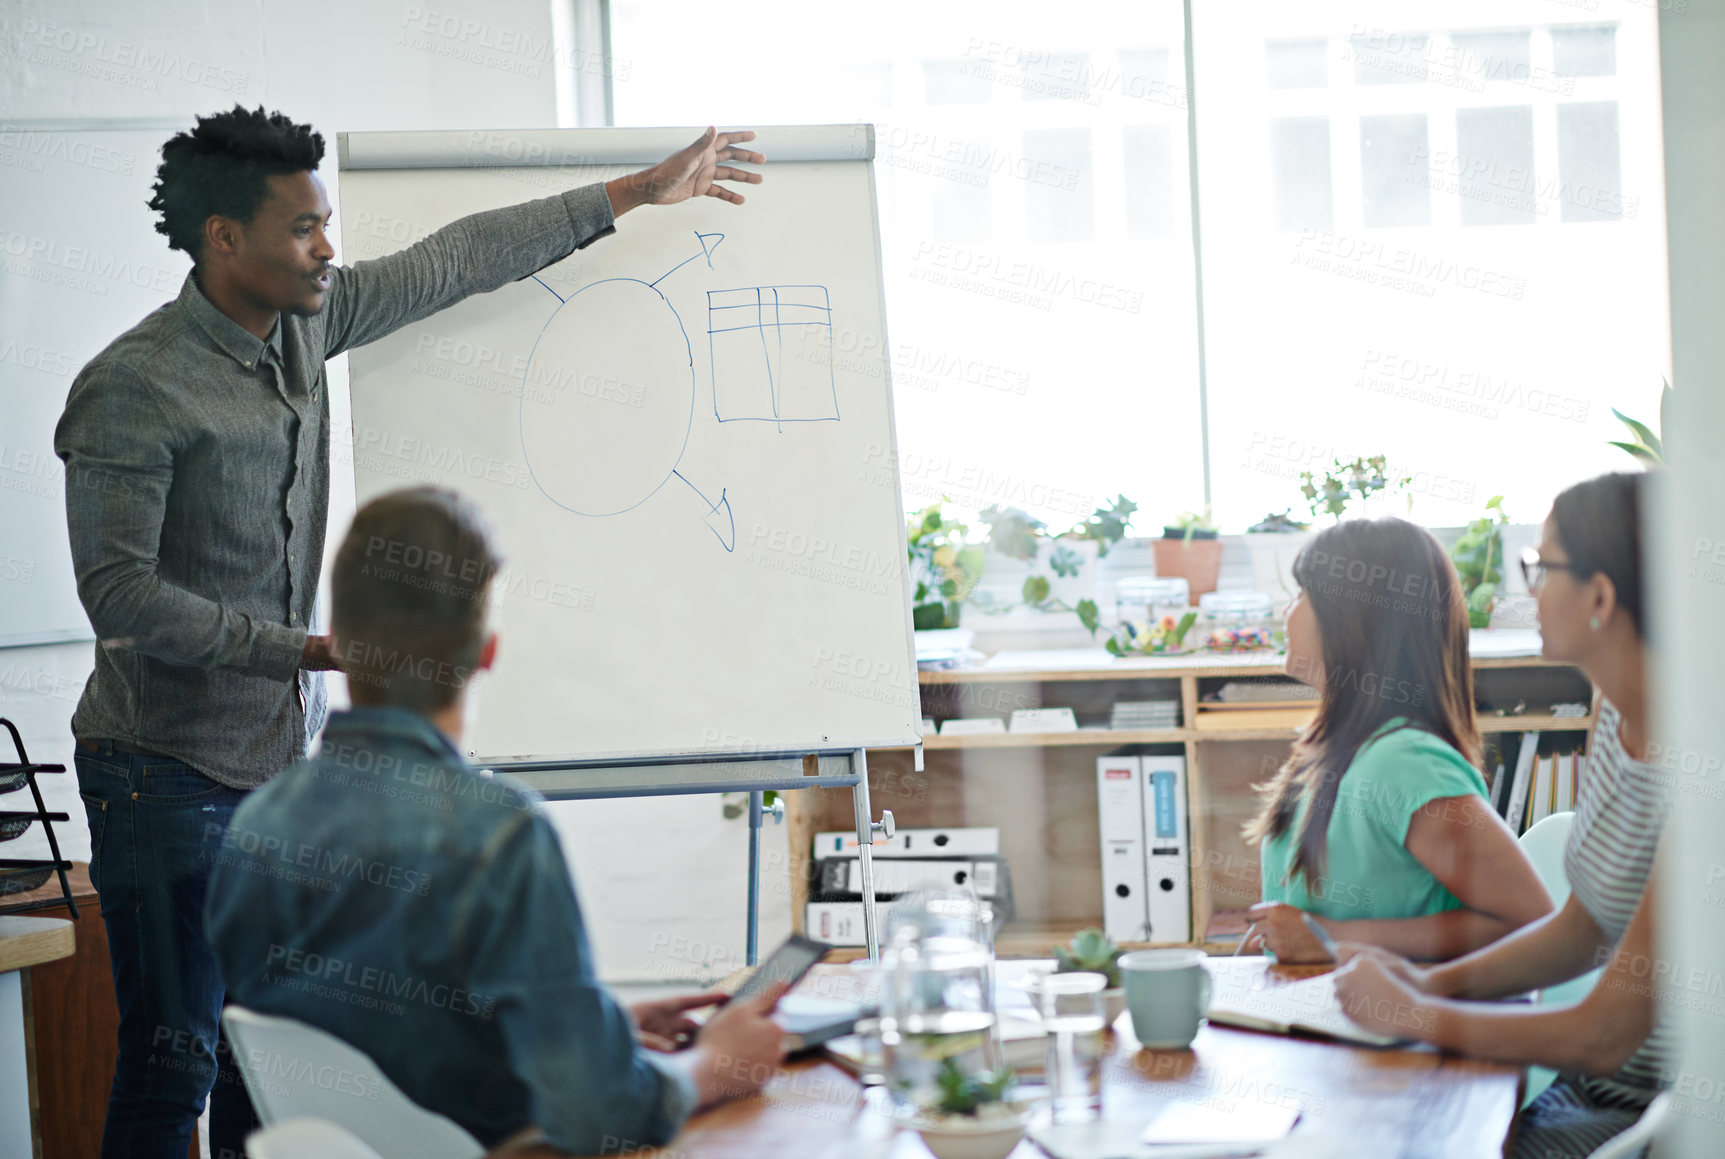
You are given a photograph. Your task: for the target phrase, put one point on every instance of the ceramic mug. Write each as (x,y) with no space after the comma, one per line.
(1168,995)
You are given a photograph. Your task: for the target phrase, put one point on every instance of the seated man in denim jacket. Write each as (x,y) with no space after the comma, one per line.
(422,911)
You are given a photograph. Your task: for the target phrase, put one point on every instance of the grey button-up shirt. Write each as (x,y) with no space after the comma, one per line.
(197,491)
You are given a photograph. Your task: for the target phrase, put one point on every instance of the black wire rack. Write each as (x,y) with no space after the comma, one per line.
(21,875)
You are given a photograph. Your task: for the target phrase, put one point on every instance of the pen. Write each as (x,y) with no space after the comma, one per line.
(1323,936)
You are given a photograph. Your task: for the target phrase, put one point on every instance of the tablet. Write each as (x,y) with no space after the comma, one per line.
(787,964)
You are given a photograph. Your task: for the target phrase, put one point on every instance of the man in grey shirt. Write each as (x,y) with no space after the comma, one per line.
(197,491)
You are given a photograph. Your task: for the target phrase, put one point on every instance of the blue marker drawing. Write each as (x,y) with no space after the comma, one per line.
(772,352)
(583,394)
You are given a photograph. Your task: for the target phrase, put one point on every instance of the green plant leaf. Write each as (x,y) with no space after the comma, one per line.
(1638,451)
(924,617)
(1035,589)
(1065,562)
(1642,433)
(1089,615)
(1013,533)
(1184,626)
(1112,646)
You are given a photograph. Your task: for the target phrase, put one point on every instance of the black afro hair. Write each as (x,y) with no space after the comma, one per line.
(222,166)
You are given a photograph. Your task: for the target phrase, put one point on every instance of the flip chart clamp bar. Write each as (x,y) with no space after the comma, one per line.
(575,780)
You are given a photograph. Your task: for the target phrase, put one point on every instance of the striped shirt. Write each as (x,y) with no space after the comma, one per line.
(1623,806)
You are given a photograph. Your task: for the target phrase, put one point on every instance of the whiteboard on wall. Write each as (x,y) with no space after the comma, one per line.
(80,264)
(683,433)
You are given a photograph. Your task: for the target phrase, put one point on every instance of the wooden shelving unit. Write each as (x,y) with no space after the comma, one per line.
(1039,789)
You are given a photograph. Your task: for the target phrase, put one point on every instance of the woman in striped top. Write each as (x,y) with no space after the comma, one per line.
(1611,1047)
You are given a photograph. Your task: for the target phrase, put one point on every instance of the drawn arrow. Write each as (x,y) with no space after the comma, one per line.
(719,519)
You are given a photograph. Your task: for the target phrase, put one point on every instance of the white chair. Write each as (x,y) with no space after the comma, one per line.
(306,1139)
(297,1071)
(1627,1143)
(1543,845)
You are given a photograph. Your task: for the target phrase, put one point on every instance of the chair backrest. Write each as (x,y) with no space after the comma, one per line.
(1626,1143)
(299,1138)
(297,1071)
(1543,845)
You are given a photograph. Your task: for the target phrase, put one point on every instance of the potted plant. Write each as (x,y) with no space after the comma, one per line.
(1274,543)
(1331,492)
(1056,562)
(1093,952)
(973,1118)
(1478,557)
(1189,548)
(943,569)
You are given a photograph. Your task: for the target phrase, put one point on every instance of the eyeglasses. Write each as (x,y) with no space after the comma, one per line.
(1534,569)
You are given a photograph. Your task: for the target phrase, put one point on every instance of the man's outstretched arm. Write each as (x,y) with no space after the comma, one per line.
(484,251)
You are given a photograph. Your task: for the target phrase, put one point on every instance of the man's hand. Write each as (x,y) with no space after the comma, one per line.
(320,654)
(740,1048)
(689,172)
(1278,928)
(1380,1001)
(663,1025)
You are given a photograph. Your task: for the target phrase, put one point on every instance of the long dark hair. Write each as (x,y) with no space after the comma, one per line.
(1394,624)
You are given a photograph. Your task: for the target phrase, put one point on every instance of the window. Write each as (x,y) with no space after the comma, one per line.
(1050,144)
(1433,239)
(1496,148)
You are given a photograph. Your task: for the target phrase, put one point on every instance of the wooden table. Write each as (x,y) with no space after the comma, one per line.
(76,1029)
(1373,1104)
(25,942)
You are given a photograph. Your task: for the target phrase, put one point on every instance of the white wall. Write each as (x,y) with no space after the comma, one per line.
(1689,575)
(374,65)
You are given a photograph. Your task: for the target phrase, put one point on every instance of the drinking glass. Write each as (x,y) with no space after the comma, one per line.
(1072,1012)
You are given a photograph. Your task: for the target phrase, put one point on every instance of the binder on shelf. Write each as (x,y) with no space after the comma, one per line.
(981,842)
(1515,810)
(1120,811)
(1544,776)
(1167,862)
(840,923)
(1565,783)
(840,878)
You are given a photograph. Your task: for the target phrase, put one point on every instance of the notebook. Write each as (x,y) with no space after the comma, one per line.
(1309,1006)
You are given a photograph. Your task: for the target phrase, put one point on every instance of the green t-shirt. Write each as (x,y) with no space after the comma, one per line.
(1369,872)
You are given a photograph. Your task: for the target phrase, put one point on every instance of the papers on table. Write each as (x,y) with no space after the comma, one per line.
(1309,1006)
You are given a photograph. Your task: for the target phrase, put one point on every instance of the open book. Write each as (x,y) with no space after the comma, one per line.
(1309,1006)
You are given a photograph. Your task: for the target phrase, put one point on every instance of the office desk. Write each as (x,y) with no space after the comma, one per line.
(1360,1102)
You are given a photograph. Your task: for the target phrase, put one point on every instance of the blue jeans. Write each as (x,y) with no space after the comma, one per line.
(156,828)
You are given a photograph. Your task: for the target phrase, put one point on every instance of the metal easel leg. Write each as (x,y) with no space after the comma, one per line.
(753,947)
(865,850)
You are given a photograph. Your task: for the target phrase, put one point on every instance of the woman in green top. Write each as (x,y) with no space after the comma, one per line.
(1377,825)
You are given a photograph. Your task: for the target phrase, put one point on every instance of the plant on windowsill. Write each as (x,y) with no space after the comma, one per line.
(1647,445)
(1331,492)
(1018,535)
(1478,557)
(1189,548)
(943,568)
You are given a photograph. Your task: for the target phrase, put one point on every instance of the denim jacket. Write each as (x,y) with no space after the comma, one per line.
(421,910)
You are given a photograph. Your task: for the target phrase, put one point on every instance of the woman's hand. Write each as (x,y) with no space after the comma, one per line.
(1281,929)
(1392,963)
(1383,1002)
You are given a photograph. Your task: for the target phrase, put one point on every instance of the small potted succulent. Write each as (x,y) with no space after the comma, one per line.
(974,1117)
(1093,952)
(1189,548)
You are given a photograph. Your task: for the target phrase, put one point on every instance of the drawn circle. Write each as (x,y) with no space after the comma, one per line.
(607,398)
